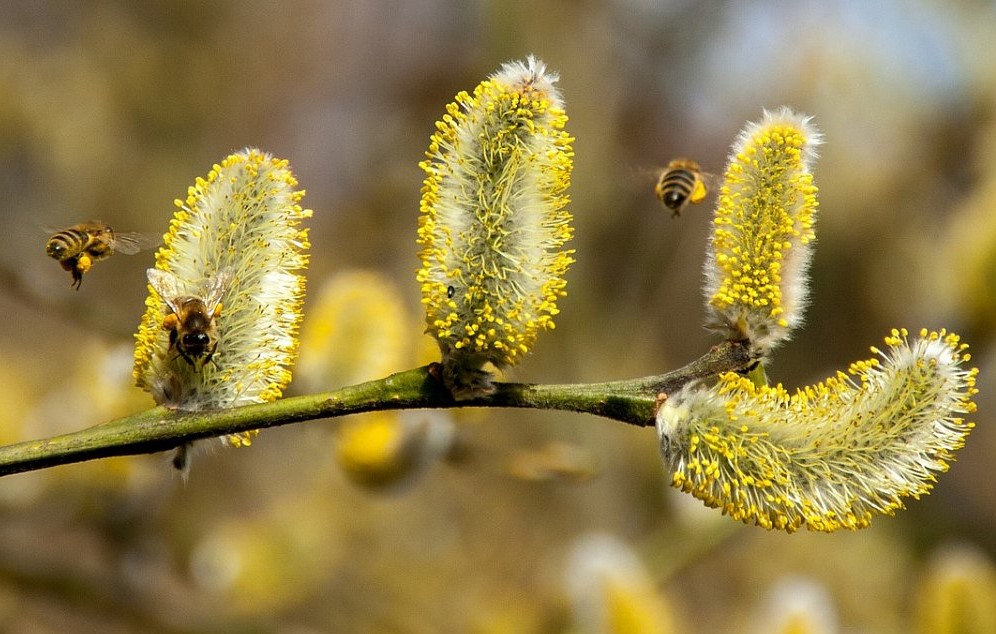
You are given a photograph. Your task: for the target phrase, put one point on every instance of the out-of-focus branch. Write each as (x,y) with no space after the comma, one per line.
(159,429)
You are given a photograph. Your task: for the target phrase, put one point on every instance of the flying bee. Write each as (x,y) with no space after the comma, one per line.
(192,324)
(680,183)
(79,246)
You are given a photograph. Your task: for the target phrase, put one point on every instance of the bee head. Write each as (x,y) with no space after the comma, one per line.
(195,339)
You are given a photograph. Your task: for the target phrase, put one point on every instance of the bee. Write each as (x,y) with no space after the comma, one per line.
(192,324)
(79,246)
(680,183)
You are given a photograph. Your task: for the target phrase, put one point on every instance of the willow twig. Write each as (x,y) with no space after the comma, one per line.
(159,429)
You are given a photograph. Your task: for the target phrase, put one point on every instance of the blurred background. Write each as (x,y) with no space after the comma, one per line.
(481,520)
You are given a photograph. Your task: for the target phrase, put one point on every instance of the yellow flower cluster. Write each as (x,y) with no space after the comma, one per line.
(831,455)
(494,223)
(763,231)
(236,246)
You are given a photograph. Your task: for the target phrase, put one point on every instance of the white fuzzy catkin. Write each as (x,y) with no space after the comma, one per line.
(763,230)
(241,223)
(494,223)
(831,455)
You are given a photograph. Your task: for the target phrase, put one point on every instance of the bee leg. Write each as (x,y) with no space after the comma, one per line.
(698,193)
(84,263)
(181,460)
(188,359)
(72,265)
(80,265)
(209,358)
(170,323)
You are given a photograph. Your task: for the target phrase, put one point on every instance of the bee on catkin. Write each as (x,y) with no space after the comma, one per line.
(235,242)
(192,326)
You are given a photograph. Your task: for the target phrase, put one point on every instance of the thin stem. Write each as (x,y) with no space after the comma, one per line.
(159,429)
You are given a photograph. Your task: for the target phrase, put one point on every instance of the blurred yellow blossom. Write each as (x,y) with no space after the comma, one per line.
(612,592)
(358,329)
(957,593)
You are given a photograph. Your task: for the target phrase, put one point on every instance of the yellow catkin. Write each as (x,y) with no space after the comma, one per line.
(828,456)
(494,223)
(763,229)
(241,226)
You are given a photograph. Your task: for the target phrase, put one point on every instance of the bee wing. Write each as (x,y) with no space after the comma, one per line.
(166,285)
(640,176)
(218,285)
(131,243)
(712,181)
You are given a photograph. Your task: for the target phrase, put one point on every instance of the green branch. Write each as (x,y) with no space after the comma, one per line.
(160,429)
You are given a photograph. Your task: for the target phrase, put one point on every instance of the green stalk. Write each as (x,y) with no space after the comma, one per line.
(160,429)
